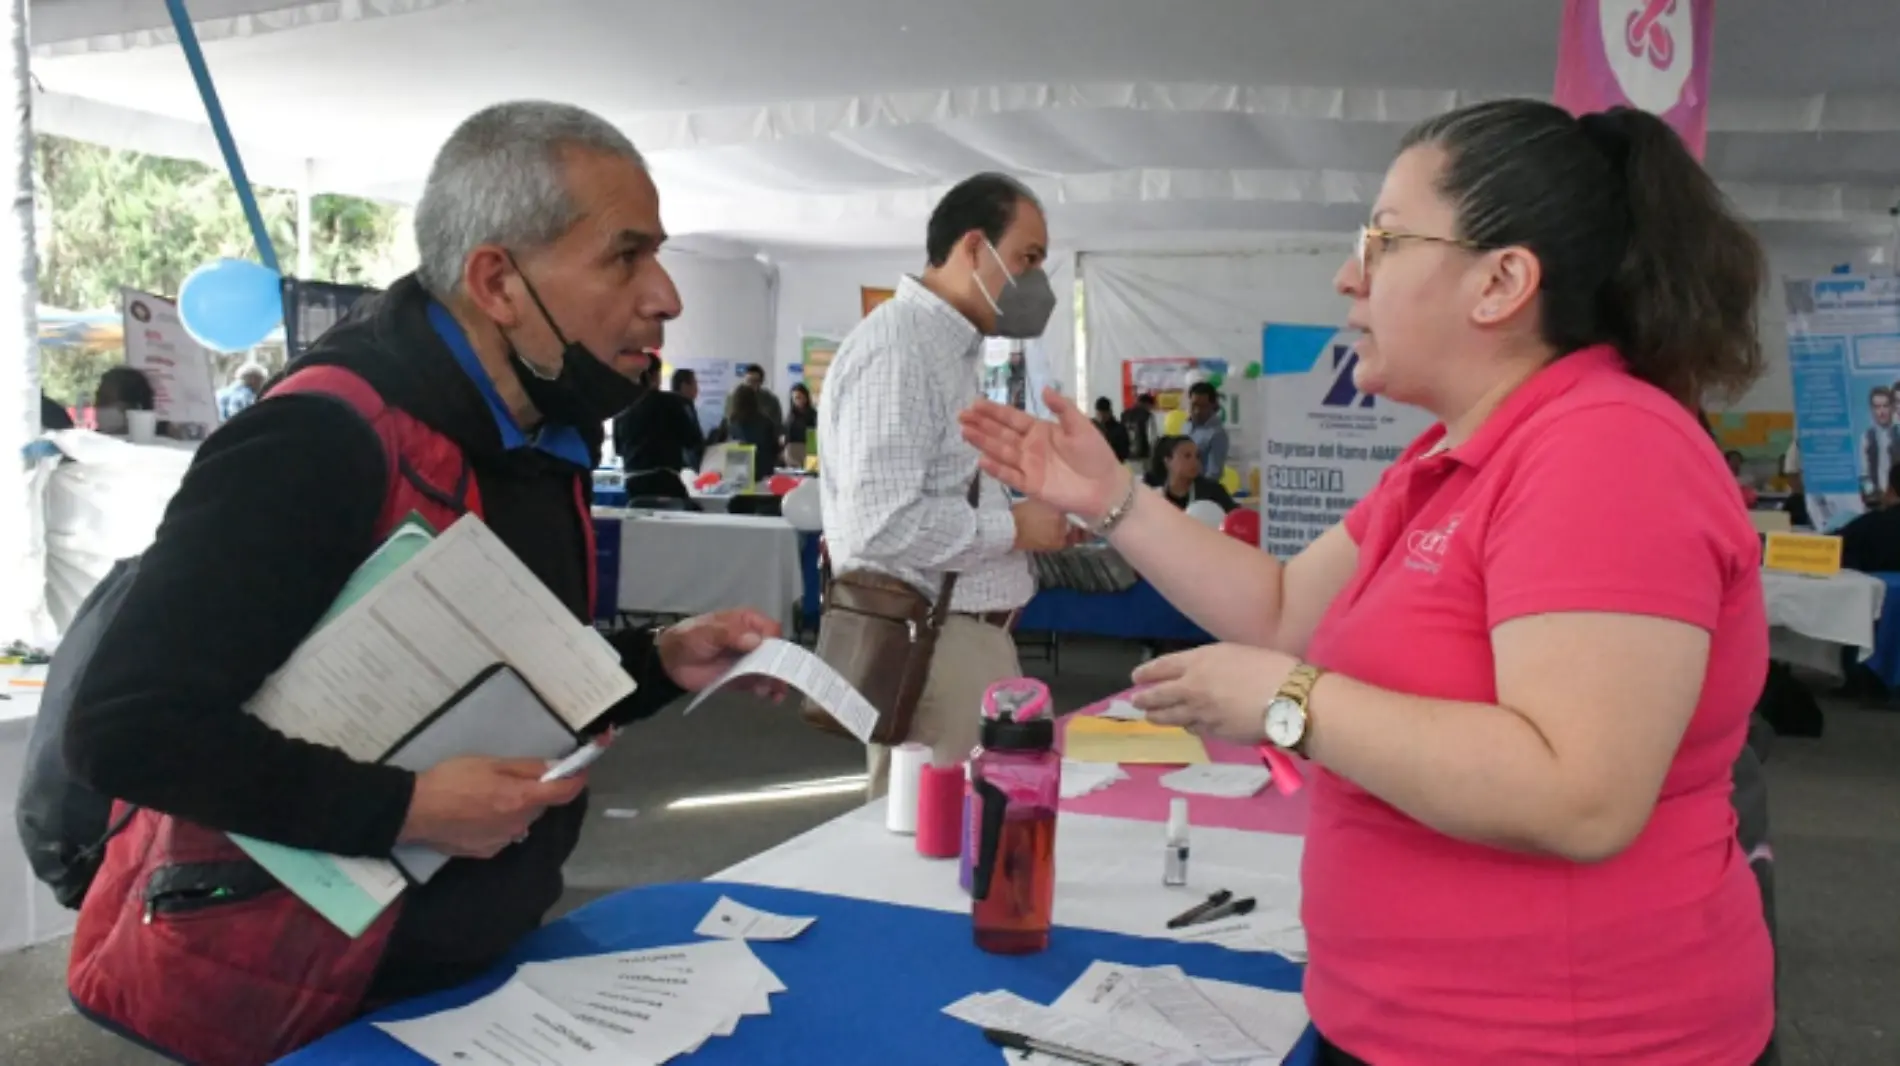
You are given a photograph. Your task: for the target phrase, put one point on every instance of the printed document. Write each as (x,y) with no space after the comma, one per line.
(800,669)
(512,1026)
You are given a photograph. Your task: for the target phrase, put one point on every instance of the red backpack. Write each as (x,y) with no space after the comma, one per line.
(183,943)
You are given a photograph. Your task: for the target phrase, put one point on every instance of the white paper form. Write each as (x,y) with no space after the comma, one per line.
(800,669)
(732,920)
(1010,1012)
(392,658)
(1277,931)
(1124,711)
(1227,779)
(1215,1035)
(662,1001)
(1274,1020)
(511,1026)
(1082,778)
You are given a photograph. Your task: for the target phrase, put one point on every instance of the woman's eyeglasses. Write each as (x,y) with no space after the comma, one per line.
(1373,240)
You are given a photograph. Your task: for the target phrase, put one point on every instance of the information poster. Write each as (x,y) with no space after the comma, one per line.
(1166,378)
(817,354)
(716,378)
(1325,442)
(1844,353)
(177,366)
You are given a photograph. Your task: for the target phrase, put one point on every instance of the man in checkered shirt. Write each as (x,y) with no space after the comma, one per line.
(896,471)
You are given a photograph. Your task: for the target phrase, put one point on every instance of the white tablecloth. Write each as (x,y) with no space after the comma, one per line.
(1811,617)
(676,562)
(28,912)
(1108,870)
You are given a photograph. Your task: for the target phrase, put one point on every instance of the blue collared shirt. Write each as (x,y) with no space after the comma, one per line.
(561,441)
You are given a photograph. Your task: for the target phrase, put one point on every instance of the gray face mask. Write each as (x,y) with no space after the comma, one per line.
(1025,304)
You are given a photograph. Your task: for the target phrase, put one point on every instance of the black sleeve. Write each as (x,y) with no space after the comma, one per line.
(642,660)
(692,438)
(278,508)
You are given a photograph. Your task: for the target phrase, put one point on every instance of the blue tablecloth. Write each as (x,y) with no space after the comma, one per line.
(1886,658)
(1136,613)
(866,984)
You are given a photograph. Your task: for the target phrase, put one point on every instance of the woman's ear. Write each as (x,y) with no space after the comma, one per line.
(1513,278)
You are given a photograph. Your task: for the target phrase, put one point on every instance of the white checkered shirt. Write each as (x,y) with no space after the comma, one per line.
(895,471)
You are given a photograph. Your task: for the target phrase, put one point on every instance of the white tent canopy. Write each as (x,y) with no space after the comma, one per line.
(836,123)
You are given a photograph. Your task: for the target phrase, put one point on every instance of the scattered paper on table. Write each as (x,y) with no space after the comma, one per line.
(1012,1013)
(1123,711)
(1082,778)
(735,921)
(1277,932)
(512,1026)
(800,669)
(1232,780)
(1176,999)
(1095,739)
(1108,992)
(658,1003)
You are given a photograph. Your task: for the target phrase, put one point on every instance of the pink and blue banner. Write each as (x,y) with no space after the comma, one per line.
(1651,54)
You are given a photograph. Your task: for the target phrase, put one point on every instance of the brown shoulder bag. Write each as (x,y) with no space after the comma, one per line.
(879,633)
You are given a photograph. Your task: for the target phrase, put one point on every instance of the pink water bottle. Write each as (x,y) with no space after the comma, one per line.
(1015,783)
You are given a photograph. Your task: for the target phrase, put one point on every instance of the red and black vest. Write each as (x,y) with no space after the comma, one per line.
(259,974)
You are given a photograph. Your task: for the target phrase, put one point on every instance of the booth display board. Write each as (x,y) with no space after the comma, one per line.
(716,379)
(312,307)
(1326,443)
(1844,353)
(178,367)
(817,353)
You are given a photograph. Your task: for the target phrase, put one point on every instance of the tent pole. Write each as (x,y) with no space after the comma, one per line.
(304,185)
(22,582)
(214,111)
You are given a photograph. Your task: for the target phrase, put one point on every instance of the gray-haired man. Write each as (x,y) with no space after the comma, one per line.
(539,301)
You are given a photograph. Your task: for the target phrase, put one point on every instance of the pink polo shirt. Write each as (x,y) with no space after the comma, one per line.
(1587,490)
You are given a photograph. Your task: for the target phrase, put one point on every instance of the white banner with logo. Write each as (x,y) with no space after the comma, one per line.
(1326,443)
(177,366)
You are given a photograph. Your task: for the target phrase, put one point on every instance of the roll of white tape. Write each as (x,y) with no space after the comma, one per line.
(907,767)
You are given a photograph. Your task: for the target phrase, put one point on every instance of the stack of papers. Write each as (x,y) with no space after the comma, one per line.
(644,1007)
(1276,932)
(1151,1017)
(1229,780)
(1082,778)
(1098,739)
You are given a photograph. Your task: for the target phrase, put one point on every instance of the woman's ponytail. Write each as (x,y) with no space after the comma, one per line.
(1681,305)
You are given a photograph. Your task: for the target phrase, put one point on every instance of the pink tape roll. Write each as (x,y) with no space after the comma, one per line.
(940,811)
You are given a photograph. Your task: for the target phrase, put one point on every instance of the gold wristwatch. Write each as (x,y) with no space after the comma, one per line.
(1286,719)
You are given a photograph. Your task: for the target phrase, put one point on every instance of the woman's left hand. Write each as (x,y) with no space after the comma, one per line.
(1220,690)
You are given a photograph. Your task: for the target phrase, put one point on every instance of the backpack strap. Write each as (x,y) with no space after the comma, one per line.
(389,423)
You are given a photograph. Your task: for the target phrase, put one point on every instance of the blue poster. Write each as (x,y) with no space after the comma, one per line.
(1844,355)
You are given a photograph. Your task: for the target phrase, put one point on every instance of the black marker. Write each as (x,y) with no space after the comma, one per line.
(1018,1042)
(1227,910)
(1194,913)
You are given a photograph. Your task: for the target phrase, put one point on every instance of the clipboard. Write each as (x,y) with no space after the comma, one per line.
(498,715)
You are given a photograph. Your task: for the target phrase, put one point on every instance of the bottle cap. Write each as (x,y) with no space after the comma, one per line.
(1177,819)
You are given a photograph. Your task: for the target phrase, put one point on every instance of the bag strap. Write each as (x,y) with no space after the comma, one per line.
(940,610)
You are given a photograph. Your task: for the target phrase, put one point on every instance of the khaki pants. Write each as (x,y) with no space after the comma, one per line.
(971,656)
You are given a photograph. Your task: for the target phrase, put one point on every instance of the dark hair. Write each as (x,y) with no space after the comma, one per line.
(1877,392)
(752,368)
(127,387)
(683,377)
(986,202)
(1158,459)
(1203,389)
(1638,246)
(1103,405)
(745,405)
(799,389)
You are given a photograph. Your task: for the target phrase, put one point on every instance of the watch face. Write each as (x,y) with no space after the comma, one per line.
(1285,723)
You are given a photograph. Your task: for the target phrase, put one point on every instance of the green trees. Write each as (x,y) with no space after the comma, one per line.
(109,218)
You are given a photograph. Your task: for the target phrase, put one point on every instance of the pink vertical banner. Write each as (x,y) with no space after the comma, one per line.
(1652,54)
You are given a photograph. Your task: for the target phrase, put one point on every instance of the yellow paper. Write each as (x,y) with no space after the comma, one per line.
(1803,553)
(1093,739)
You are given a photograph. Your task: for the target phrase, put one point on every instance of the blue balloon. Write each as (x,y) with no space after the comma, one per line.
(231,304)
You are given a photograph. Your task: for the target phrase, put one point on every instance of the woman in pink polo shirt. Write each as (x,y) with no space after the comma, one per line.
(1523,666)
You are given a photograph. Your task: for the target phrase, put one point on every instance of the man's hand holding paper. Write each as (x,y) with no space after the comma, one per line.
(699,651)
(474,807)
